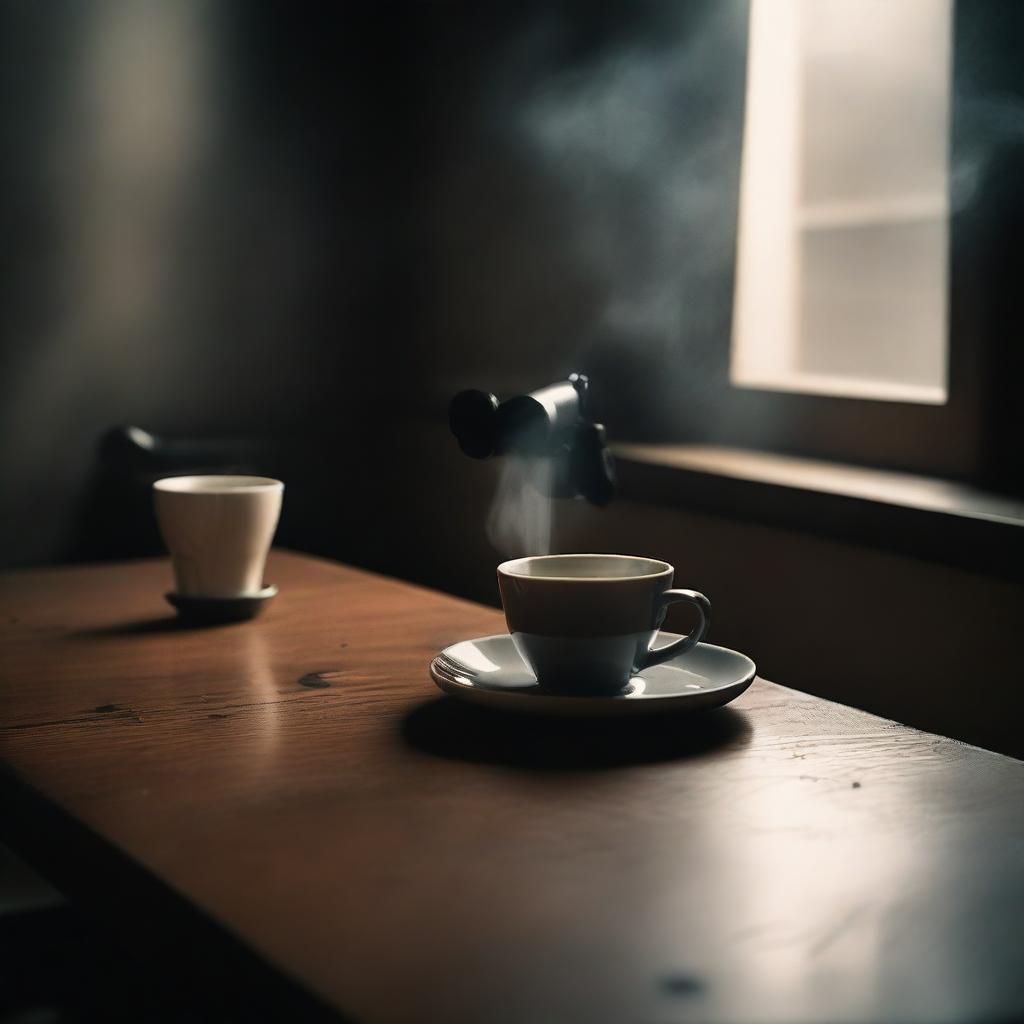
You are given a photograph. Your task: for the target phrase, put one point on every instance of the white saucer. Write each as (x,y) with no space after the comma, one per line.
(489,671)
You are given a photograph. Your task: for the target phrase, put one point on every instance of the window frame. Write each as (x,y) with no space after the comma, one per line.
(972,436)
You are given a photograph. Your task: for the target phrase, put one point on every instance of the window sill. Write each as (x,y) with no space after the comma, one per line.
(921,516)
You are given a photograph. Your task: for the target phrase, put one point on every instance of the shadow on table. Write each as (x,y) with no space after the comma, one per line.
(446,727)
(163,624)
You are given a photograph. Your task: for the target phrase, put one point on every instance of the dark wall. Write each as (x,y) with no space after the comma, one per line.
(307,224)
(203,213)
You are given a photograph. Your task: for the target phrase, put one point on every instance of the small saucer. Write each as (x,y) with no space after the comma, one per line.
(489,671)
(212,610)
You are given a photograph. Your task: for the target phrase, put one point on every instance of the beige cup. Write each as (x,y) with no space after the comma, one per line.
(218,530)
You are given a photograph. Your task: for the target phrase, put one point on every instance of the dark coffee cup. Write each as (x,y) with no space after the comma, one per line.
(585,623)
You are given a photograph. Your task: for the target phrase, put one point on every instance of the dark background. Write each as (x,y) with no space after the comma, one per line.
(314,224)
(308,225)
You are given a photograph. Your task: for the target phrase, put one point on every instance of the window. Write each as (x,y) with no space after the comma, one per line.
(842,255)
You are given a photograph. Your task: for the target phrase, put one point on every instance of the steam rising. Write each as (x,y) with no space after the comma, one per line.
(635,136)
(519,522)
(989,126)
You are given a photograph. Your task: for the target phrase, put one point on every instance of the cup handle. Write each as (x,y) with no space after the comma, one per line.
(683,644)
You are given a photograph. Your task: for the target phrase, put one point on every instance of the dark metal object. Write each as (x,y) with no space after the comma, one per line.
(132,450)
(553,423)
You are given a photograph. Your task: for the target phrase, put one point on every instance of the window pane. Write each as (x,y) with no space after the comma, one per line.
(875,81)
(842,260)
(891,337)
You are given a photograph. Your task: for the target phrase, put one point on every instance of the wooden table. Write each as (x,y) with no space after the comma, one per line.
(290,805)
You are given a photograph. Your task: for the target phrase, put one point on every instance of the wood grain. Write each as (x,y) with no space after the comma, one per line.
(299,785)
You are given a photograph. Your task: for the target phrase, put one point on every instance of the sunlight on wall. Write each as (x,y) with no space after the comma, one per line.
(841,276)
(114,154)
